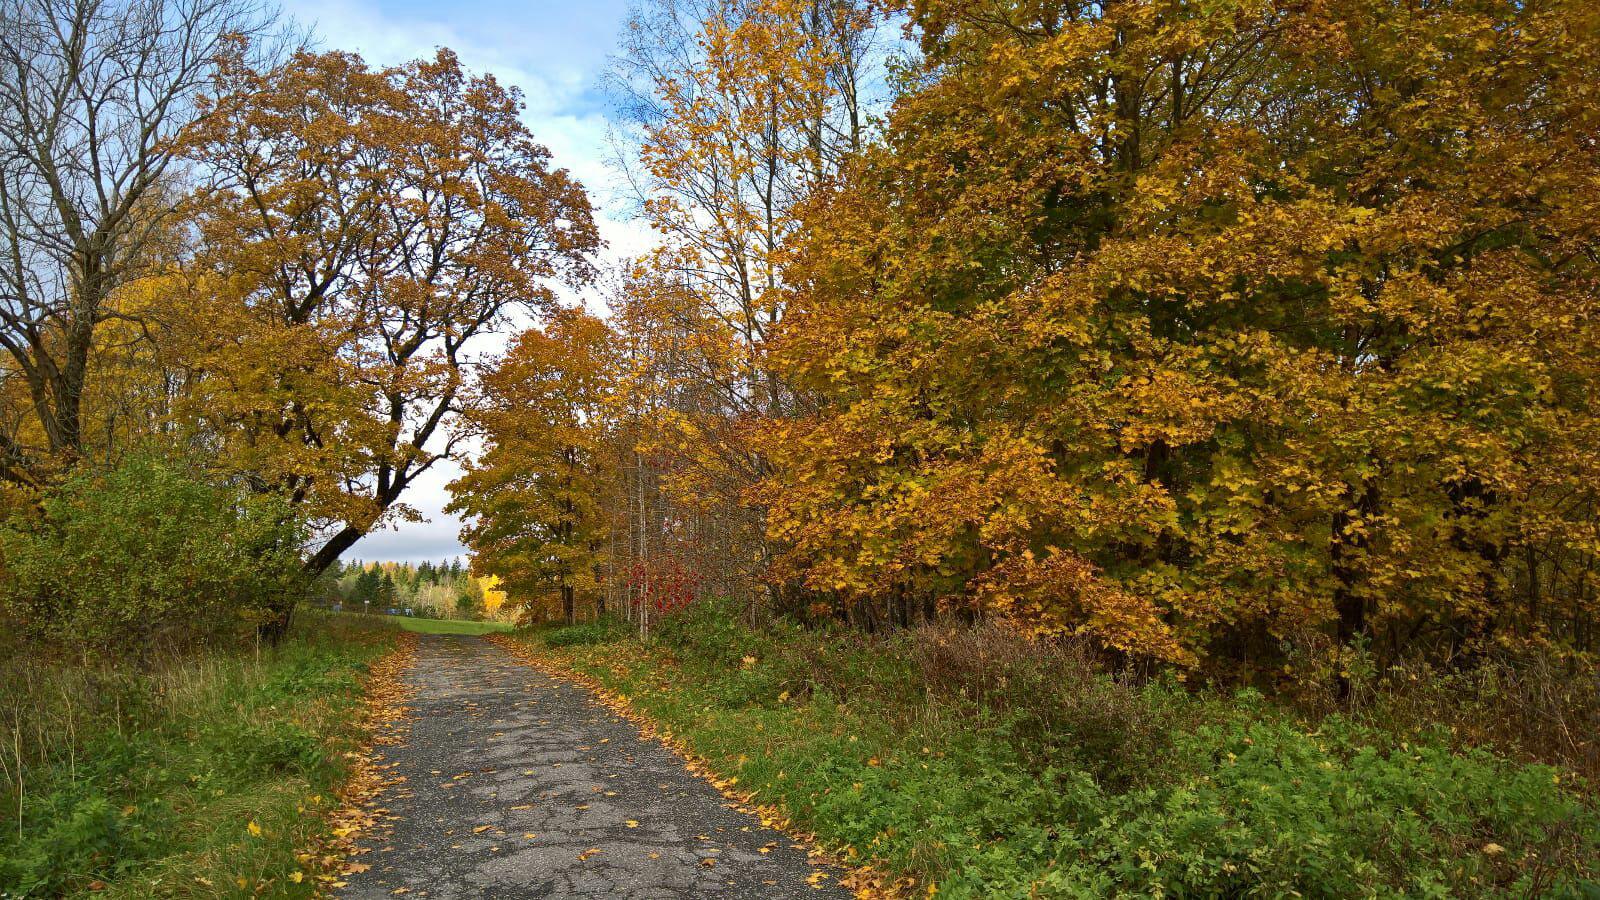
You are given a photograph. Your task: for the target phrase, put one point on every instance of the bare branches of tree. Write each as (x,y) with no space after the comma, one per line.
(92,95)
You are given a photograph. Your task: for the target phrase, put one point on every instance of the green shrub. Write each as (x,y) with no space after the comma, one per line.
(711,632)
(1265,807)
(147,554)
(600,632)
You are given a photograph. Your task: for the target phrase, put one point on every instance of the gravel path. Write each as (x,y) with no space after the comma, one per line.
(520,785)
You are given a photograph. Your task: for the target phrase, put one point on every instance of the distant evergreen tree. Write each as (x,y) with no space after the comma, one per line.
(386,591)
(366,587)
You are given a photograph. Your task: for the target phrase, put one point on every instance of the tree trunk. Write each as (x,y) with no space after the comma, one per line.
(330,552)
(1349,603)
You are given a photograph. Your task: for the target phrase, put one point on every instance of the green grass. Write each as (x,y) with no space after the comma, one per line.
(148,782)
(447,626)
(995,770)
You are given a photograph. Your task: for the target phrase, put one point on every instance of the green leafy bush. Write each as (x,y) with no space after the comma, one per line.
(710,631)
(147,554)
(599,632)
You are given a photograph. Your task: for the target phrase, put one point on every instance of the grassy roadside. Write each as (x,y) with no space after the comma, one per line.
(447,626)
(977,766)
(201,777)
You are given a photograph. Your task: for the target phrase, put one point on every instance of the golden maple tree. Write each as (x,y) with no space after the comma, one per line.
(1199,329)
(536,497)
(360,228)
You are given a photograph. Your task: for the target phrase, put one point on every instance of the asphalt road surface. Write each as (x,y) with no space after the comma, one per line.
(517,784)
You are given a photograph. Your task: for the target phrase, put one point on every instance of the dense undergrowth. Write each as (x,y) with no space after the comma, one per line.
(199,775)
(992,767)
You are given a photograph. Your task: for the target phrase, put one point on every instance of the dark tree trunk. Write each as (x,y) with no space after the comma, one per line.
(1349,602)
(330,552)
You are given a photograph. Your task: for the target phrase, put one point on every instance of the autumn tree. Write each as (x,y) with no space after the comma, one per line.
(361,229)
(93,94)
(734,111)
(1204,329)
(536,497)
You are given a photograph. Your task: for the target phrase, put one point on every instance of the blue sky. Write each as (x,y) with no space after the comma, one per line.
(556,53)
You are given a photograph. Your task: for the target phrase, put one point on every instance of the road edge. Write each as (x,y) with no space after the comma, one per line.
(864,881)
(386,721)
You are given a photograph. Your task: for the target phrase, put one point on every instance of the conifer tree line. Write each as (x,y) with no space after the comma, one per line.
(445,590)
(1225,335)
